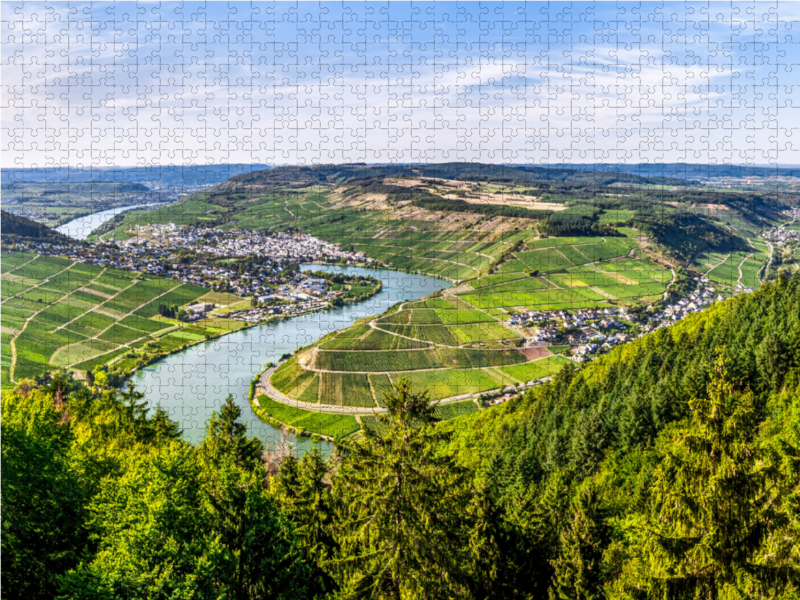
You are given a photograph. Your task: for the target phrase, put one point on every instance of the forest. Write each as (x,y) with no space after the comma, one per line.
(15,226)
(668,468)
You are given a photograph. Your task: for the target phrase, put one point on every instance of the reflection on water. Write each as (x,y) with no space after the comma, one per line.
(193,383)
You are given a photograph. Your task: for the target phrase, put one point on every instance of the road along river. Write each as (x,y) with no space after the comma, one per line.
(80,228)
(192,383)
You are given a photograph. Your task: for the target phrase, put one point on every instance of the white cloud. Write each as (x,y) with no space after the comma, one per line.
(110,89)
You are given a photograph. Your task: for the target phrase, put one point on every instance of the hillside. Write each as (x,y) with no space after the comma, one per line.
(667,469)
(15,225)
(58,313)
(597,442)
(338,174)
(387,210)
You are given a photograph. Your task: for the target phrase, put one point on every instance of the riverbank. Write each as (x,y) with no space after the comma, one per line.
(192,382)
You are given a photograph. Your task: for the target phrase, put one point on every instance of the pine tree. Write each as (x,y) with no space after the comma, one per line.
(399,508)
(713,502)
(577,573)
(305,495)
(257,540)
(226,438)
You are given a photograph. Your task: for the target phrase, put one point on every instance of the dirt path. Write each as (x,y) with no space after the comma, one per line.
(739,281)
(674,278)
(769,261)
(716,265)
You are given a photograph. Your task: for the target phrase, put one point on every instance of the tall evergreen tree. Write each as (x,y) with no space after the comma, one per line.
(714,503)
(304,493)
(258,542)
(577,573)
(400,503)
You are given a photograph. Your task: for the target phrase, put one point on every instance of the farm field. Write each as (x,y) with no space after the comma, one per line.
(458,343)
(458,351)
(59,313)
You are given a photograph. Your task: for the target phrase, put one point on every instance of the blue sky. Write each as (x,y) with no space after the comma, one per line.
(297,83)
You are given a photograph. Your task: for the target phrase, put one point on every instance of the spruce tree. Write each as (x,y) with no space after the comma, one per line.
(577,570)
(713,505)
(399,508)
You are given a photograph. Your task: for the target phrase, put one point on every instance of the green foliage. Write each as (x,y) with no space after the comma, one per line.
(715,504)
(668,469)
(398,523)
(43,502)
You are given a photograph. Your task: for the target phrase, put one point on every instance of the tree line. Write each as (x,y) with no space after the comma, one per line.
(665,469)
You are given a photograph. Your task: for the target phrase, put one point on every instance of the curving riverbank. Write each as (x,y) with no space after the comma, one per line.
(192,383)
(81,227)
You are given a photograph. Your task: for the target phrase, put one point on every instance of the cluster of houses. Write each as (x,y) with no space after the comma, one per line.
(704,295)
(780,236)
(280,247)
(593,331)
(153,253)
(268,313)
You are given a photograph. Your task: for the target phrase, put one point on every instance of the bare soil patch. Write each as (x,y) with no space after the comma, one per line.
(536,353)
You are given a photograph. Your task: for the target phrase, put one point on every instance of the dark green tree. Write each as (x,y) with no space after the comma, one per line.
(399,508)
(577,569)
(257,541)
(304,492)
(714,503)
(151,539)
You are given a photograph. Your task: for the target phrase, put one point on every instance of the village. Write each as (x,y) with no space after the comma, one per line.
(219,243)
(213,258)
(588,333)
(782,236)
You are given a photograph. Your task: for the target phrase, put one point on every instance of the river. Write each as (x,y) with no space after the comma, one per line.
(82,227)
(192,383)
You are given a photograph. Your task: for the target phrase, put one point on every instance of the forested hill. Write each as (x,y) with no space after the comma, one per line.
(668,469)
(668,465)
(15,225)
(300,176)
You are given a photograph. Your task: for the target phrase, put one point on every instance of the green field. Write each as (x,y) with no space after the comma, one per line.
(59,313)
(468,355)
(458,343)
(329,424)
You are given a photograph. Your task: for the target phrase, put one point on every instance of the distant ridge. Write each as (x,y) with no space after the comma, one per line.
(175,176)
(15,225)
(332,174)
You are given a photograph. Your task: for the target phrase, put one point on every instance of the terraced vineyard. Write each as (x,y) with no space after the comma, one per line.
(459,343)
(438,344)
(59,313)
(499,257)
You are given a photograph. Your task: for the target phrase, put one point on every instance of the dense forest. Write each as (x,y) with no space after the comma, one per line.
(669,468)
(13,226)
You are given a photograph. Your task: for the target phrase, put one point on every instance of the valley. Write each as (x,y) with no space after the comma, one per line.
(547,268)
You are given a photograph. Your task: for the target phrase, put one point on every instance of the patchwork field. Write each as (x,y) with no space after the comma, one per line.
(59,313)
(438,345)
(569,276)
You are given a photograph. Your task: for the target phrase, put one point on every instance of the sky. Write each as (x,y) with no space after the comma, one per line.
(135,84)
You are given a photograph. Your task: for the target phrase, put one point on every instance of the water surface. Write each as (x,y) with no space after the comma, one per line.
(82,227)
(192,384)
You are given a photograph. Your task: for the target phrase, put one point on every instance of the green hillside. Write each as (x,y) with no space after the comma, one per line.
(60,313)
(667,469)
(458,221)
